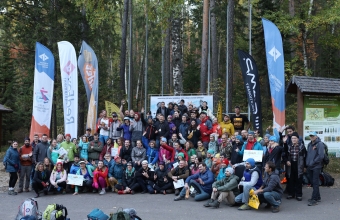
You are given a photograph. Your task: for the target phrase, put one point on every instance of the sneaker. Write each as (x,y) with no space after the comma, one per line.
(319,200)
(276,209)
(299,198)
(102,192)
(244,207)
(121,192)
(215,204)
(179,198)
(36,195)
(208,203)
(12,193)
(312,203)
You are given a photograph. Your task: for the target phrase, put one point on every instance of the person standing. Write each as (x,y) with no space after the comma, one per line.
(114,133)
(162,130)
(26,153)
(227,126)
(136,129)
(12,166)
(163,110)
(94,150)
(71,149)
(239,120)
(88,134)
(205,128)
(315,155)
(104,128)
(40,150)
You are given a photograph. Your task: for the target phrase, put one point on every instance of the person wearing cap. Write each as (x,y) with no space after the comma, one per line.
(162,129)
(161,181)
(26,152)
(201,182)
(95,148)
(274,153)
(115,174)
(182,107)
(115,123)
(71,149)
(226,125)
(314,163)
(224,190)
(138,154)
(83,145)
(252,179)
(271,191)
(144,175)
(88,134)
(193,117)
(295,157)
(125,127)
(85,170)
(58,178)
(223,165)
(239,120)
(205,128)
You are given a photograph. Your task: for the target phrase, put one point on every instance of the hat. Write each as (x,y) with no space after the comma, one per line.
(210,151)
(273,138)
(114,114)
(225,161)
(239,137)
(163,139)
(144,162)
(27,139)
(267,135)
(230,170)
(88,129)
(117,158)
(225,114)
(251,133)
(313,133)
(82,162)
(170,116)
(251,161)
(161,163)
(129,164)
(295,134)
(67,135)
(180,154)
(126,118)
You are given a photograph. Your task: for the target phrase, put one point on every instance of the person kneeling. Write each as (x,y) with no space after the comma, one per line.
(271,191)
(201,182)
(41,179)
(58,178)
(86,170)
(225,189)
(161,180)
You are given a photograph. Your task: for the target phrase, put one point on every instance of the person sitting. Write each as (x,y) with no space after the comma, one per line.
(125,152)
(129,183)
(151,151)
(86,170)
(58,178)
(106,149)
(144,175)
(209,160)
(75,166)
(225,189)
(108,161)
(194,166)
(100,178)
(174,150)
(251,144)
(201,151)
(161,180)
(252,179)
(179,172)
(41,179)
(138,154)
(213,144)
(189,148)
(116,173)
(201,182)
(223,165)
(235,157)
(271,191)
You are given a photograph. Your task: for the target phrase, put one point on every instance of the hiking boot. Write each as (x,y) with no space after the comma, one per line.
(179,198)
(12,193)
(275,209)
(102,192)
(20,191)
(244,207)
(177,192)
(312,203)
(215,204)
(208,203)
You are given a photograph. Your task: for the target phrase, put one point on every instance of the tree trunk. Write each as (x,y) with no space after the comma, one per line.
(214,47)
(304,39)
(130,88)
(230,55)
(167,62)
(123,49)
(204,58)
(291,5)
(177,65)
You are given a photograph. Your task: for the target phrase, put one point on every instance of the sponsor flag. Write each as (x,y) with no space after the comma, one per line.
(111,107)
(275,63)
(43,91)
(88,67)
(252,87)
(219,112)
(69,81)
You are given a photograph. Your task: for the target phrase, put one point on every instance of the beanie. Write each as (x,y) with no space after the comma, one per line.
(273,138)
(180,154)
(295,134)
(239,137)
(251,161)
(230,170)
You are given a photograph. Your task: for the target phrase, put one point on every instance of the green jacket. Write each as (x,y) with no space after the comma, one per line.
(227,184)
(70,148)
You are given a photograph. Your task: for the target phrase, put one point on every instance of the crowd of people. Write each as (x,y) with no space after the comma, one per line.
(184,150)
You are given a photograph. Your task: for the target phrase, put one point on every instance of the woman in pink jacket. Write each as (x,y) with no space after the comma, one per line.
(100,178)
(58,178)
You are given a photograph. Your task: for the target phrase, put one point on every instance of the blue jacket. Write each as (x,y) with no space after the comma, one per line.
(151,153)
(117,171)
(12,160)
(183,129)
(110,163)
(126,131)
(74,168)
(257,146)
(207,177)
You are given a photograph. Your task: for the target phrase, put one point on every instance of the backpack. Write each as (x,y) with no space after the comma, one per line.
(97,214)
(55,212)
(119,215)
(132,213)
(325,158)
(326,179)
(29,207)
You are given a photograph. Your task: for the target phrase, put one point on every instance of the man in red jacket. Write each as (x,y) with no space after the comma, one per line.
(206,129)
(26,152)
(174,151)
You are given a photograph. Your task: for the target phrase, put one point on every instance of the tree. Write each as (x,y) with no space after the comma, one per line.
(204,59)
(123,48)
(230,51)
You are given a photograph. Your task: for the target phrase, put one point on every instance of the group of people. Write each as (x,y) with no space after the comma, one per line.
(184,150)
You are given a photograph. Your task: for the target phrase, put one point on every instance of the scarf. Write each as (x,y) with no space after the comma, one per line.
(129,173)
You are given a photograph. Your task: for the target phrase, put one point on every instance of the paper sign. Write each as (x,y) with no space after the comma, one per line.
(75,179)
(255,154)
(62,151)
(179,184)
(114,152)
(175,164)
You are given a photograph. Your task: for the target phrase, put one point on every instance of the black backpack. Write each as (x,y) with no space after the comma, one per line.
(326,179)
(325,158)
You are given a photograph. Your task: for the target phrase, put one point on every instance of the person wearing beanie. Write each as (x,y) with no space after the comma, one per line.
(208,161)
(224,190)
(115,175)
(71,149)
(223,166)
(129,180)
(251,144)
(271,191)
(26,152)
(213,144)
(252,179)
(295,157)
(235,157)
(161,182)
(274,153)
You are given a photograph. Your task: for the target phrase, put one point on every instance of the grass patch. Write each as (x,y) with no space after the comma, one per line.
(334,164)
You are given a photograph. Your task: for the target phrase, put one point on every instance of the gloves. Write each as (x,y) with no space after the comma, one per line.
(16,165)
(44,184)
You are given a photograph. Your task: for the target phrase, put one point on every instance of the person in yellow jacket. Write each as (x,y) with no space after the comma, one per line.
(227,126)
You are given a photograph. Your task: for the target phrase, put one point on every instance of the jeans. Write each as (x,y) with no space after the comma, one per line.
(244,197)
(157,144)
(200,195)
(314,176)
(103,139)
(25,172)
(271,198)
